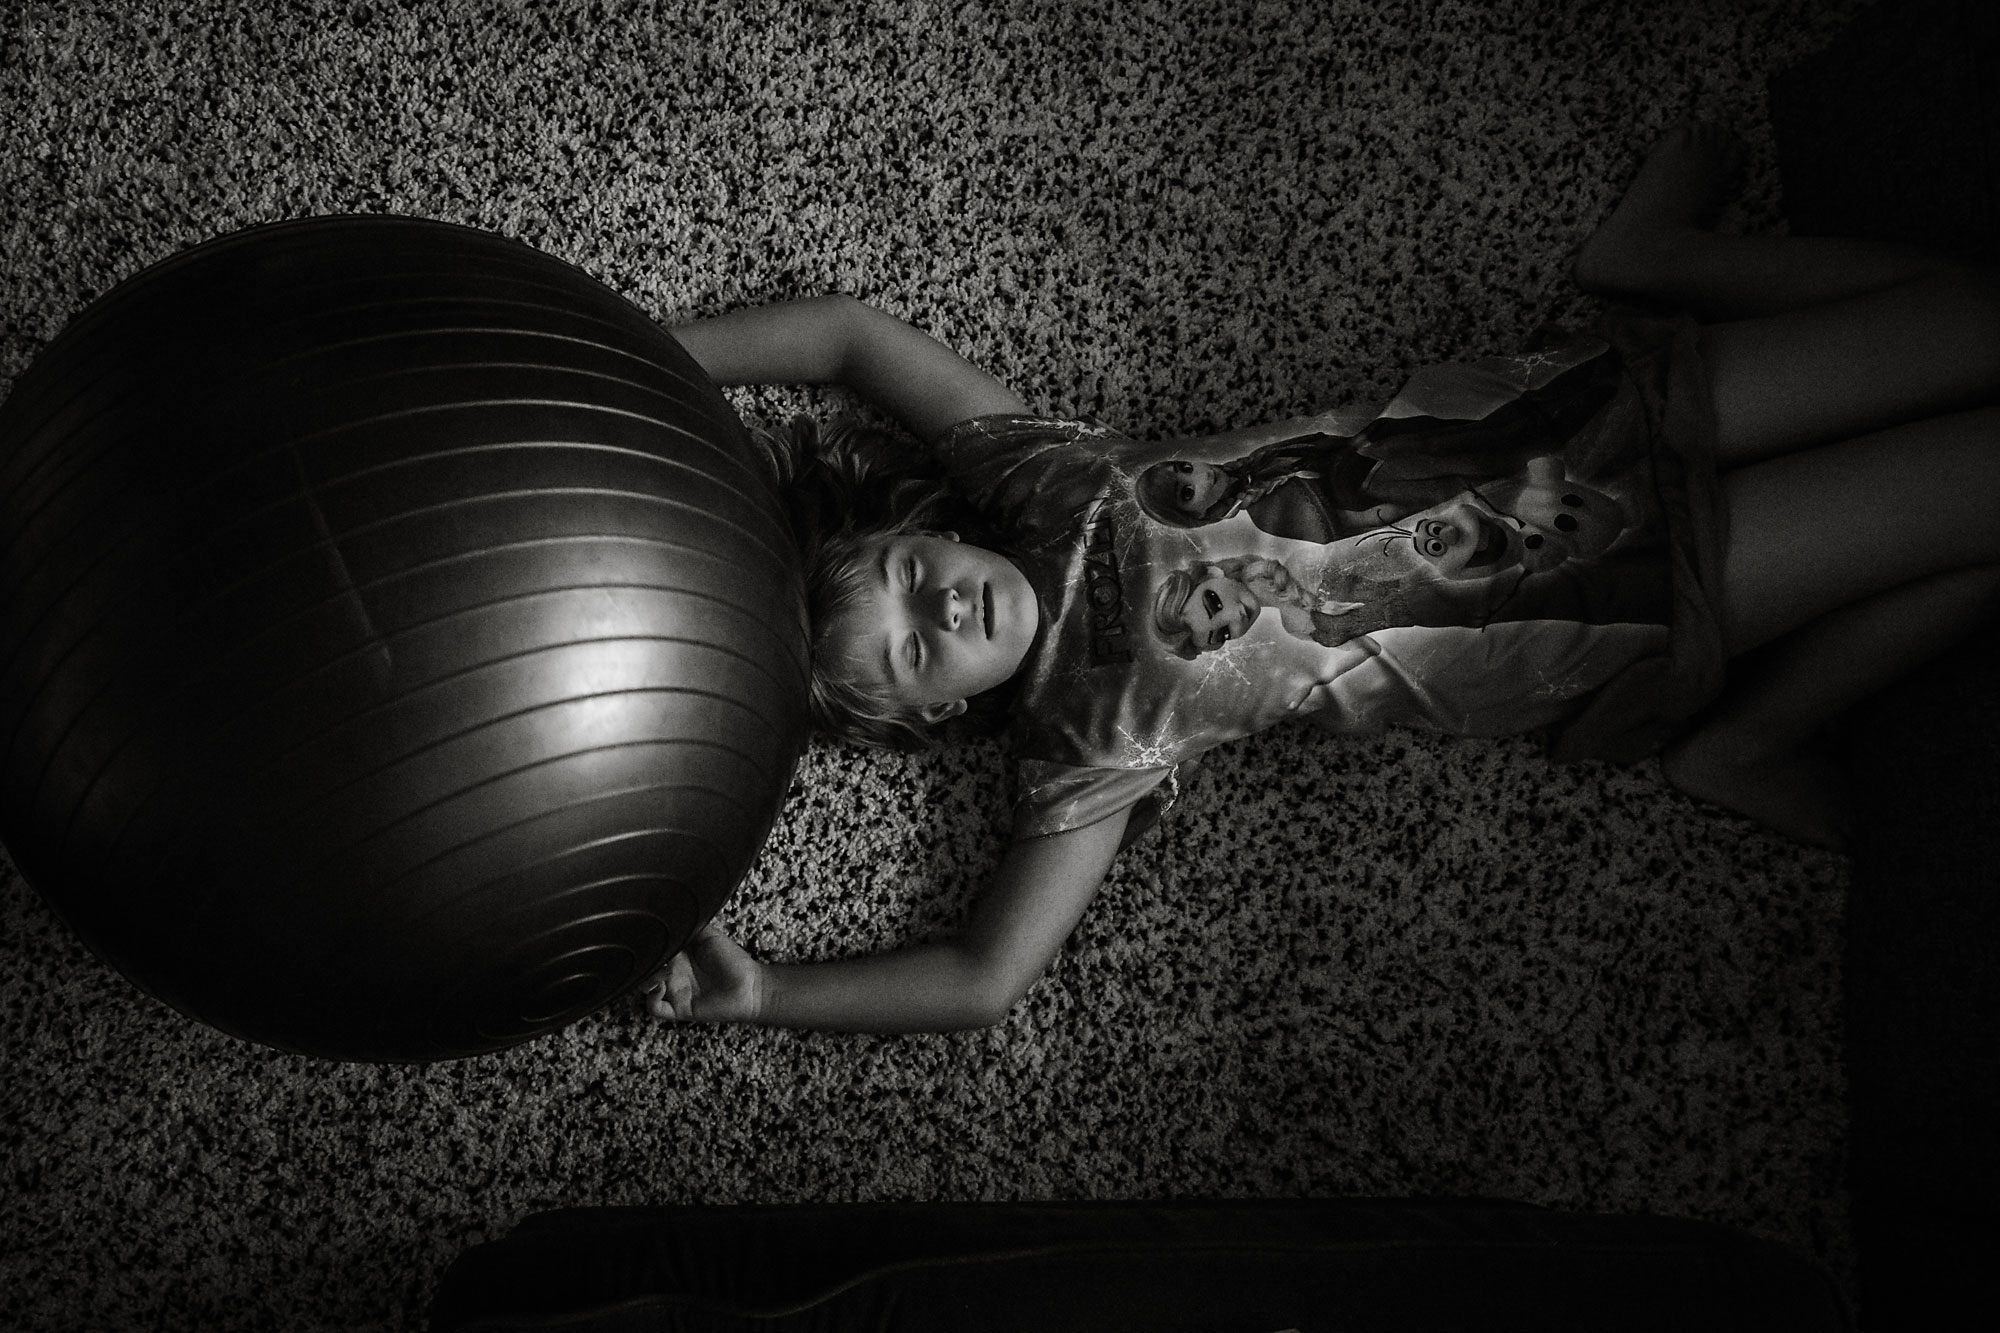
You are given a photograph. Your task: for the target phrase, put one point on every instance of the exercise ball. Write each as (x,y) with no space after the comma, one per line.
(404,653)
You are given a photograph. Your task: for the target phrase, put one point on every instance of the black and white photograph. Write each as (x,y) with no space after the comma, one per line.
(1257,666)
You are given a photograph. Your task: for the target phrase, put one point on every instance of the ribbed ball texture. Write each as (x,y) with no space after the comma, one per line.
(401,651)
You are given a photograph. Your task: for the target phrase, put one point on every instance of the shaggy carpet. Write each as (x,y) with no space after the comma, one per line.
(1403,966)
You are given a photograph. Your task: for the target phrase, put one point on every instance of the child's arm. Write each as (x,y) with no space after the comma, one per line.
(971,980)
(839,340)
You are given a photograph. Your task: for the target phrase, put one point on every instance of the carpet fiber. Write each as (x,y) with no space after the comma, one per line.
(1402,966)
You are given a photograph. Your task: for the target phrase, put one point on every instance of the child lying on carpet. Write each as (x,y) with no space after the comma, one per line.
(1572,540)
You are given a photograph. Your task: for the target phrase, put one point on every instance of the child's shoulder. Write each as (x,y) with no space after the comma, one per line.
(1030,472)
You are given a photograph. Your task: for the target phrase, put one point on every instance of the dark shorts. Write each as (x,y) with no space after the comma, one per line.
(1665,396)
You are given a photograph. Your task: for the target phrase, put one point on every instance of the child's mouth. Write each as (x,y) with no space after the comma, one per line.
(986,608)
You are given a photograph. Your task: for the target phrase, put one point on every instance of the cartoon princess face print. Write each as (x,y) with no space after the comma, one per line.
(1183,493)
(1200,611)
(1218,610)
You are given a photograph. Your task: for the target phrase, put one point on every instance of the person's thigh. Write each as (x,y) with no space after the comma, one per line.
(1819,528)
(1830,372)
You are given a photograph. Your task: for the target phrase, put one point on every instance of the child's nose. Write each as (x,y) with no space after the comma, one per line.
(950,609)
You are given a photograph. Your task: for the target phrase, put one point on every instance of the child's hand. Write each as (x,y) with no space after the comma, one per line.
(712,980)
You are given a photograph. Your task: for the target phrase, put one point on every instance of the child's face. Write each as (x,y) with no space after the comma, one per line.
(1218,610)
(939,622)
(1196,486)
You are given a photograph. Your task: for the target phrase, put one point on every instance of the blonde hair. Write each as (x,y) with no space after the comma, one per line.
(847,487)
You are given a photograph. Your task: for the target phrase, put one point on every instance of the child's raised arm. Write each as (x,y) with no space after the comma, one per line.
(839,340)
(971,980)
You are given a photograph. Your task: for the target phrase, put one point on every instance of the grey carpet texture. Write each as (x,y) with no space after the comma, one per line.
(1403,966)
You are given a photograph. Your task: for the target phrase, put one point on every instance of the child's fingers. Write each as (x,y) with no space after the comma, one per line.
(672,1001)
(660,991)
(670,992)
(681,989)
(657,1003)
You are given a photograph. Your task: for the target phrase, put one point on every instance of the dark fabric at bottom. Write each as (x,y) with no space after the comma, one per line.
(1892,133)
(1923,994)
(1254,1266)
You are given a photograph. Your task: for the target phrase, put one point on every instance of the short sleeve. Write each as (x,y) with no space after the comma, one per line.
(1055,798)
(1028,475)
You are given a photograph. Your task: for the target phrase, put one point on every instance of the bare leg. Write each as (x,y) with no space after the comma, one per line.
(1821,529)
(1825,338)
(1761,751)
(1848,565)
(1917,349)
(1852,562)
(1659,245)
